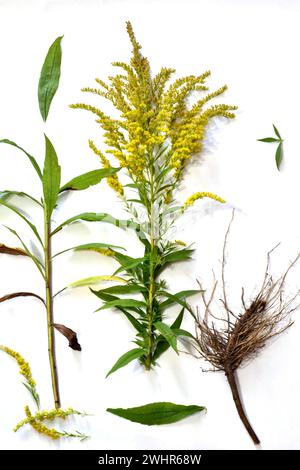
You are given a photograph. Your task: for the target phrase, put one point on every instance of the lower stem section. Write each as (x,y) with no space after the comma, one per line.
(230,374)
(49,309)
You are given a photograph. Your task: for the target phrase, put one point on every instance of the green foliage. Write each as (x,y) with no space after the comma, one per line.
(157,413)
(49,77)
(279,150)
(126,358)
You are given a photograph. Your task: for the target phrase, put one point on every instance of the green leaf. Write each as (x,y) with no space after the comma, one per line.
(88,179)
(126,358)
(157,413)
(276,131)
(51,178)
(135,323)
(268,139)
(168,334)
(88,281)
(176,299)
(49,78)
(173,298)
(128,289)
(6,194)
(36,261)
(162,343)
(16,211)
(127,303)
(130,265)
(278,156)
(98,247)
(181,332)
(31,158)
(96,217)
(179,255)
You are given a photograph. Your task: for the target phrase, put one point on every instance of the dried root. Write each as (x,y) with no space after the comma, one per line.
(232,340)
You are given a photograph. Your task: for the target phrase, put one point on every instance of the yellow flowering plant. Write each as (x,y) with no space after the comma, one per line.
(158,130)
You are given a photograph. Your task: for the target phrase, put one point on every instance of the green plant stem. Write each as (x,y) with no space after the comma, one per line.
(49,310)
(151,295)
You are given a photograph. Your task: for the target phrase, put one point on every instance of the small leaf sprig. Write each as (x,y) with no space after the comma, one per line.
(154,137)
(279,151)
(50,180)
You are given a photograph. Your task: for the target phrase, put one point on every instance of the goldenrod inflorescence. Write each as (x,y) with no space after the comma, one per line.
(36,420)
(200,195)
(24,367)
(152,115)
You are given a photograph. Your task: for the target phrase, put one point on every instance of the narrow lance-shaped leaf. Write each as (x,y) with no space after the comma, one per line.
(51,177)
(6,194)
(88,179)
(31,158)
(88,281)
(157,413)
(98,247)
(268,140)
(19,213)
(127,303)
(49,78)
(276,131)
(168,334)
(96,217)
(278,156)
(126,358)
(162,343)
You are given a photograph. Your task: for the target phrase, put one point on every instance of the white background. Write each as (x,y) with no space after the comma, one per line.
(253,46)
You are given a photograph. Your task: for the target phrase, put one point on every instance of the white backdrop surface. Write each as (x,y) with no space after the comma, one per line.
(253,46)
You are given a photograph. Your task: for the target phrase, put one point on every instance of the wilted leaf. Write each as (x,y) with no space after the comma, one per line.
(126,358)
(12,251)
(49,78)
(21,294)
(156,413)
(88,179)
(69,334)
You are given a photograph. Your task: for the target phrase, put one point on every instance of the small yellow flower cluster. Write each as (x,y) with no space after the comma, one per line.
(24,367)
(113,180)
(180,242)
(36,420)
(200,195)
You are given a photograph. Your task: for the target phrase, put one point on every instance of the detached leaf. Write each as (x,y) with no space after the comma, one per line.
(88,179)
(278,156)
(12,251)
(70,335)
(268,139)
(157,413)
(31,158)
(126,358)
(88,281)
(168,334)
(51,178)
(49,78)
